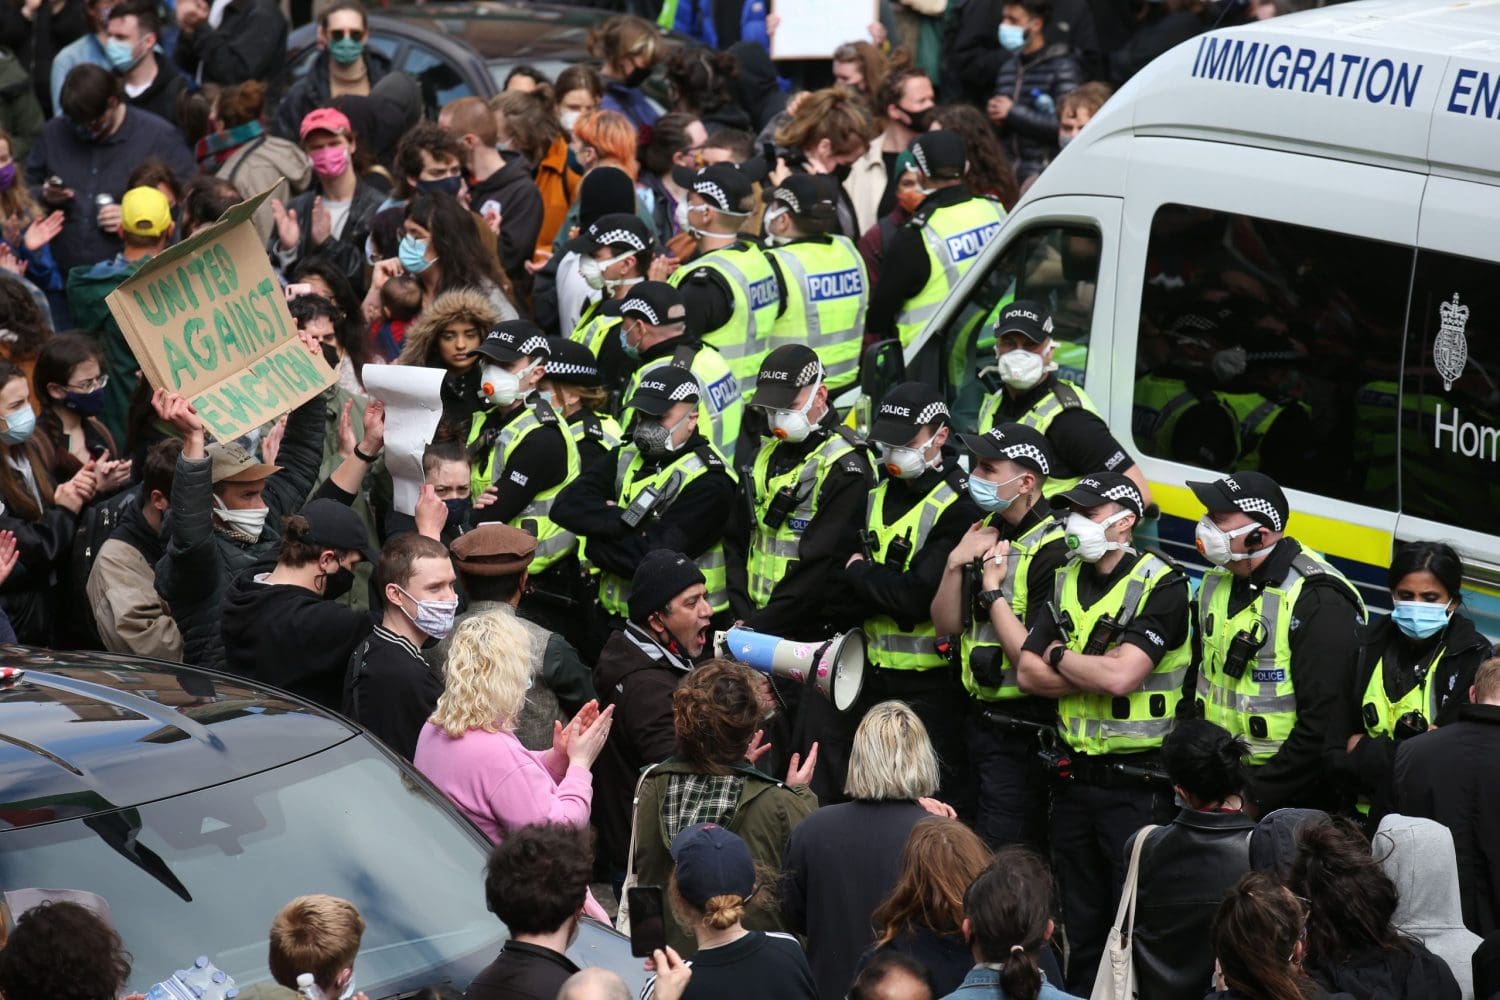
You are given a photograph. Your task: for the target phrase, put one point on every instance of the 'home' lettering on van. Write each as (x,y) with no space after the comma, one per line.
(962,246)
(1281,67)
(1464,438)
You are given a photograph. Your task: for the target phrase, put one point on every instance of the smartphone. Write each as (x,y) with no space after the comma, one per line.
(648,928)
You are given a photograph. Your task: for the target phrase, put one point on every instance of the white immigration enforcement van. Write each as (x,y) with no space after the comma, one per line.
(1278,247)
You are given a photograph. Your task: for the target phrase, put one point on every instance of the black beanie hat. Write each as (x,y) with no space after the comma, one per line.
(661,576)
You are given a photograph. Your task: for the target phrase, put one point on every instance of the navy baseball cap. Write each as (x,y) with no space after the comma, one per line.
(712,861)
(513,340)
(1102,488)
(1023,445)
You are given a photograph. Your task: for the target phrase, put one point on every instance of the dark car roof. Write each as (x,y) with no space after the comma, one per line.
(83,733)
(516,31)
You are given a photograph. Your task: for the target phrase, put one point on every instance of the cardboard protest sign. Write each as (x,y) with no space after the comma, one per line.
(207,318)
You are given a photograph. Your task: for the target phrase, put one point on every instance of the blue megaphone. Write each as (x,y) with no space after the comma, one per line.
(836,667)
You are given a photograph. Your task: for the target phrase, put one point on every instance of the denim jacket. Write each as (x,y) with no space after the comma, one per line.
(983,981)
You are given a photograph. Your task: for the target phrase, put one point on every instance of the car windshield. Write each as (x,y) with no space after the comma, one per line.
(204,873)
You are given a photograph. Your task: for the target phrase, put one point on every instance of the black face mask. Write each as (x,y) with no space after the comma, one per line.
(330,355)
(443,185)
(338,583)
(842,171)
(458,511)
(921,121)
(637,76)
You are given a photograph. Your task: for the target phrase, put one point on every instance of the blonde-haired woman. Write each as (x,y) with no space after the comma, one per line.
(469,749)
(844,859)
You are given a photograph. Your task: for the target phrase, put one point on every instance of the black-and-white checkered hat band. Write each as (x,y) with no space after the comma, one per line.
(1255,505)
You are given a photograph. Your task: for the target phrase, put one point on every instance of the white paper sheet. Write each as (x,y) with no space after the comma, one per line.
(812,29)
(413,406)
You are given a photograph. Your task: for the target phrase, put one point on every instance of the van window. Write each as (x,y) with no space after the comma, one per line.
(1450,405)
(1055,264)
(1270,346)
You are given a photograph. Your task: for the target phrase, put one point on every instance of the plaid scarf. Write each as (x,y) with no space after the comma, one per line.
(699,798)
(216,147)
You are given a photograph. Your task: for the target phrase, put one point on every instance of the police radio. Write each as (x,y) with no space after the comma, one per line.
(648,499)
(783,502)
(1243,648)
(1103,635)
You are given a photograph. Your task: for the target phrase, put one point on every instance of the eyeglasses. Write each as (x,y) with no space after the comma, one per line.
(92,385)
(353,34)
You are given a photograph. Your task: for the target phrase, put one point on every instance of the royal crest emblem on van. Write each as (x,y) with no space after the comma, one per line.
(1450,350)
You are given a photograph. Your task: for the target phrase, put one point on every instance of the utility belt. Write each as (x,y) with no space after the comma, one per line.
(1037,733)
(1059,761)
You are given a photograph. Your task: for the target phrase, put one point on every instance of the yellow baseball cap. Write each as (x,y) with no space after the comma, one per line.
(145,211)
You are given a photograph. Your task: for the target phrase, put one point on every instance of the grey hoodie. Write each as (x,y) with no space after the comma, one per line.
(1418,856)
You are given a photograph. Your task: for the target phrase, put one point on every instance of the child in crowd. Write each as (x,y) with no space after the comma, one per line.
(400,302)
(317,936)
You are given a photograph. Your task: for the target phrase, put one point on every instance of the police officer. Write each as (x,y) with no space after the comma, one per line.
(824,287)
(728,286)
(1279,635)
(926,258)
(519,444)
(912,520)
(1033,394)
(801,503)
(668,488)
(996,584)
(614,254)
(797,521)
(654,332)
(573,387)
(1116,657)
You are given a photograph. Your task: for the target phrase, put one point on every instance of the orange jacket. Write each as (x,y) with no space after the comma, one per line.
(558,184)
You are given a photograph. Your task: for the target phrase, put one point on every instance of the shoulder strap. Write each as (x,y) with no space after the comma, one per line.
(1125,916)
(1067,398)
(635,808)
(683,356)
(255,144)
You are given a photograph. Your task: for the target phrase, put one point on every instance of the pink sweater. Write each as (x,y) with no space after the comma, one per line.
(501,785)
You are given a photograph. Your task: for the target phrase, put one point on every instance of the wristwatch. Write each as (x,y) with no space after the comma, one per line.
(1054,657)
(987,599)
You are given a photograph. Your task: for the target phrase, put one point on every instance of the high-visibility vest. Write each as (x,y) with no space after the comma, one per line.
(1423,697)
(981,637)
(1102,723)
(595,327)
(1160,406)
(614,590)
(827,296)
(553,542)
(954,235)
(775,551)
(1261,705)
(745,339)
(598,427)
(891,647)
(721,408)
(1063,396)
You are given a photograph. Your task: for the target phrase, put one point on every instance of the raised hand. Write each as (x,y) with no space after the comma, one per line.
(10,554)
(322,223)
(800,772)
(374,421)
(431,514)
(346,431)
(757,749)
(585,746)
(43,231)
(288,229)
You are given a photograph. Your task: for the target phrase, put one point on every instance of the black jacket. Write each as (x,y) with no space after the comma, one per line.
(1451,776)
(522,972)
(28,596)
(1408,973)
(1036,83)
(1186,867)
(1382,643)
(291,638)
(248,44)
(975,56)
(313,91)
(638,677)
(1151,40)
(390,690)
(521,206)
(841,862)
(347,250)
(161,96)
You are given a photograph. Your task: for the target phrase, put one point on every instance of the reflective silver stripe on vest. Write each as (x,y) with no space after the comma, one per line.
(901,642)
(1227,695)
(751,334)
(1150,729)
(794,264)
(939,248)
(563,541)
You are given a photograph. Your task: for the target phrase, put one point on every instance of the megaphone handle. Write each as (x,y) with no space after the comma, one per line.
(721,645)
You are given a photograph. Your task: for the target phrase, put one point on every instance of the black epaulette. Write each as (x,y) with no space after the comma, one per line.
(684,354)
(1066,396)
(710,457)
(545,414)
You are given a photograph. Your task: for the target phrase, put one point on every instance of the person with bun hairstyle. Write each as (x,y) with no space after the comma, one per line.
(717,713)
(1008,924)
(1259,938)
(1416,666)
(1352,943)
(627,48)
(1187,865)
(700,82)
(713,880)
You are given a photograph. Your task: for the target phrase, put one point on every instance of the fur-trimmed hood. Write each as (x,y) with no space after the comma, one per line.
(460,303)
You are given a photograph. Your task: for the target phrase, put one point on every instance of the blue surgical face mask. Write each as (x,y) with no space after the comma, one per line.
(413,255)
(987,494)
(1012,37)
(346,51)
(19,425)
(1420,619)
(631,351)
(443,185)
(121,55)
